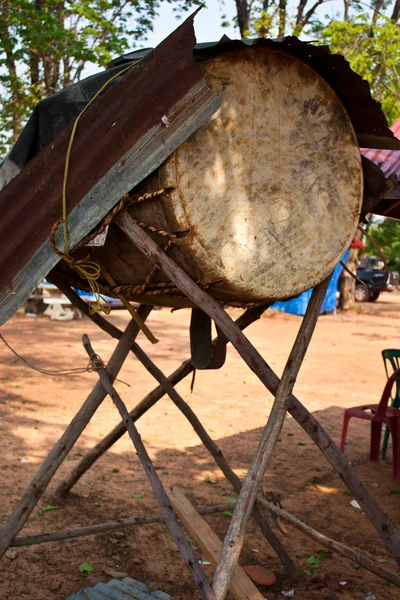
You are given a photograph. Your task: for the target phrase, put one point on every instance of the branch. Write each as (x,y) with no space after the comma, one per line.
(310,13)
(396,12)
(11,66)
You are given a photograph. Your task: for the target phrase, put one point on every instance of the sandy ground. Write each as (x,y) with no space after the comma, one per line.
(343,368)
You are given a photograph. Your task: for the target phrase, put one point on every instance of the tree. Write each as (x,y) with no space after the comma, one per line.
(273,17)
(386,233)
(45,45)
(370,41)
(372,47)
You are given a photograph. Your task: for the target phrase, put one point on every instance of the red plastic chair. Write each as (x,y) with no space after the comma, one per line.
(379,414)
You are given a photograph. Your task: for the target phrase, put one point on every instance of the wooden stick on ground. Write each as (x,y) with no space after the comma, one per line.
(241,588)
(234,538)
(216,453)
(264,372)
(327,542)
(171,521)
(56,536)
(41,480)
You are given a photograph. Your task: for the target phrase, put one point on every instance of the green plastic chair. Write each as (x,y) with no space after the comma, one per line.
(391,360)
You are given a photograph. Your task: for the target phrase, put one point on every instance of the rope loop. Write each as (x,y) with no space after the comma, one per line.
(95,363)
(85,268)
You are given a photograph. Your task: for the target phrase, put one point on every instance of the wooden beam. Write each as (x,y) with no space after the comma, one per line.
(216,453)
(116,525)
(171,521)
(63,489)
(242,588)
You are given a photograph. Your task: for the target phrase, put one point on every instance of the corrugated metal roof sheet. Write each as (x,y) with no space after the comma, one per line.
(117,589)
(387,160)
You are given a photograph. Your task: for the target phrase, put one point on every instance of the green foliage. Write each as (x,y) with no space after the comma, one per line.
(48,509)
(386,234)
(45,45)
(313,562)
(370,41)
(373,51)
(86,567)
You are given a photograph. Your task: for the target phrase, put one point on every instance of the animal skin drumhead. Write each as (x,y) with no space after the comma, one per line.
(271,187)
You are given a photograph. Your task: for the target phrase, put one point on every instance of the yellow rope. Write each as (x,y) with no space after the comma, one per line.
(88,270)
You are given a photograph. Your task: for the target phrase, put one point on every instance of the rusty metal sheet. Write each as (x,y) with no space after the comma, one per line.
(389,163)
(387,160)
(121,125)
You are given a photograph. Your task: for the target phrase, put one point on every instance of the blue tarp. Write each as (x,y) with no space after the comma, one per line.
(298,306)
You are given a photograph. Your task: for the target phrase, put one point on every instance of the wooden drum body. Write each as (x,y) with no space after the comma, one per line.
(270,189)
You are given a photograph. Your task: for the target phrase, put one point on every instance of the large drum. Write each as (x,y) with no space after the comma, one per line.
(270,189)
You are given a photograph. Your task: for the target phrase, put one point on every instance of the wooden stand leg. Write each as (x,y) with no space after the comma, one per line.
(167,386)
(267,376)
(251,315)
(41,480)
(171,521)
(216,453)
(234,538)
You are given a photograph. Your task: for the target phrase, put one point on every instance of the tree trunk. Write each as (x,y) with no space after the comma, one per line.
(396,12)
(282,17)
(10,64)
(301,19)
(34,59)
(346,10)
(347,284)
(377,8)
(243,16)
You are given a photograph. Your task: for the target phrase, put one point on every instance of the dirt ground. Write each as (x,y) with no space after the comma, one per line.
(343,368)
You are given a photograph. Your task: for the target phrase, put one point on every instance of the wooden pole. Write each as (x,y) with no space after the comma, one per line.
(171,521)
(233,542)
(119,430)
(142,326)
(216,453)
(246,319)
(167,386)
(83,306)
(41,480)
(117,524)
(327,542)
(177,275)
